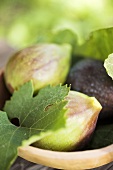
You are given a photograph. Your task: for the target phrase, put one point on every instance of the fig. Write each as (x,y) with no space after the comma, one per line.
(81,118)
(42,63)
(4,93)
(90,77)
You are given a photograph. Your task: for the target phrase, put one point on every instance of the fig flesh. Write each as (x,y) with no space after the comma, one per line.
(82,115)
(89,77)
(43,64)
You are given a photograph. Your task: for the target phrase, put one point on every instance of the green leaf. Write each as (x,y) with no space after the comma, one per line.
(10,138)
(103,136)
(108,64)
(99,44)
(37,116)
(65,36)
(59,37)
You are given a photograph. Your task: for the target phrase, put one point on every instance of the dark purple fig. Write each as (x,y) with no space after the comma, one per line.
(89,77)
(4,93)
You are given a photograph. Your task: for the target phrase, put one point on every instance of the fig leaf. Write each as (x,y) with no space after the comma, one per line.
(103,136)
(98,45)
(108,64)
(37,117)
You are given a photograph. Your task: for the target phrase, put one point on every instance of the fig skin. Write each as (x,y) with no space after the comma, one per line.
(81,118)
(44,64)
(90,77)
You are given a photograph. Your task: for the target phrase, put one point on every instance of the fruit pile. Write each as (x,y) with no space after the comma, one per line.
(50,64)
(56,104)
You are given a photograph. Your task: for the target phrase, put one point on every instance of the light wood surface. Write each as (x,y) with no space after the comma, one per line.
(68,160)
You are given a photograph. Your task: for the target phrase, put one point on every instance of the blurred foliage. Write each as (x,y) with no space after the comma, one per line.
(26,22)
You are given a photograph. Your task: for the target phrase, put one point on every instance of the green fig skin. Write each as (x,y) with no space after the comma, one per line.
(44,64)
(82,115)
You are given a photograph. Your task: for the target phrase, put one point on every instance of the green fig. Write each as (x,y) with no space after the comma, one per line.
(42,63)
(81,118)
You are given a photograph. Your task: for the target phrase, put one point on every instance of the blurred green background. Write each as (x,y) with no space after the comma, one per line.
(23,23)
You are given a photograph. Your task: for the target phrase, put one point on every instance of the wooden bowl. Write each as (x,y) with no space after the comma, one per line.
(61,160)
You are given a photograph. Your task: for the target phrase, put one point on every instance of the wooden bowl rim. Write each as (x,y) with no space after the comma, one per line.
(68,160)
